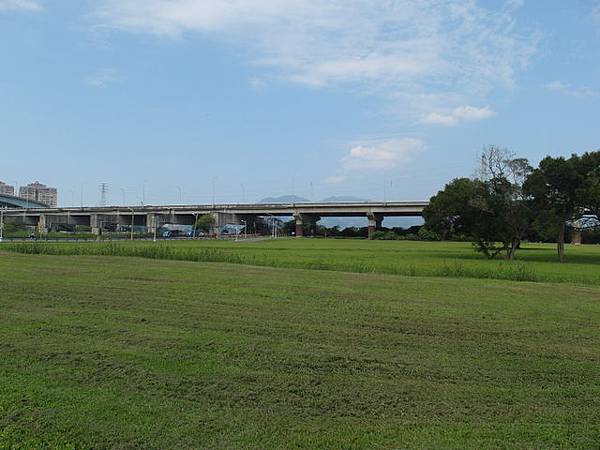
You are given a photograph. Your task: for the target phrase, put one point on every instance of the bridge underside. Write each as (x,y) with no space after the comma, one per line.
(153,218)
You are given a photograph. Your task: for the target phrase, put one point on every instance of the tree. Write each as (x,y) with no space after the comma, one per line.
(490,209)
(554,189)
(468,208)
(205,223)
(450,212)
(505,175)
(588,194)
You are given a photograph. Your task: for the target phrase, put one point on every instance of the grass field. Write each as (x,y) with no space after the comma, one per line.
(536,262)
(123,352)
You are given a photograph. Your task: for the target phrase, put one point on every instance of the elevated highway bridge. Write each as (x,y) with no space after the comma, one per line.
(152,216)
(10,201)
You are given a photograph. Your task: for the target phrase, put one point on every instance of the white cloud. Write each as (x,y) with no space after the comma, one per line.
(465,113)
(384,154)
(472,113)
(596,12)
(396,48)
(568,89)
(102,78)
(20,5)
(257,83)
(435,118)
(335,179)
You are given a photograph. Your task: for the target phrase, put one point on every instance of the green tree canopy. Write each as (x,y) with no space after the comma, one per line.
(489,209)
(205,223)
(553,189)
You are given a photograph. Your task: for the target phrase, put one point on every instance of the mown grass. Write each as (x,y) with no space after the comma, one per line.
(536,262)
(134,353)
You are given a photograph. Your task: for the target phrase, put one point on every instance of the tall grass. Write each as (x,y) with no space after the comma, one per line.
(159,251)
(455,268)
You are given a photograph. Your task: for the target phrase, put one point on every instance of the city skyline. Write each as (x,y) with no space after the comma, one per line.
(194,102)
(35,192)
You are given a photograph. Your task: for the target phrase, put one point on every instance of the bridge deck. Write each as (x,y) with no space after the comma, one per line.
(281,209)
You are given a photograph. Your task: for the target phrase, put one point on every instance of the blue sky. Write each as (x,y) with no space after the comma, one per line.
(164,99)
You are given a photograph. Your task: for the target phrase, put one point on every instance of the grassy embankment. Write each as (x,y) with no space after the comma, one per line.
(536,262)
(104,352)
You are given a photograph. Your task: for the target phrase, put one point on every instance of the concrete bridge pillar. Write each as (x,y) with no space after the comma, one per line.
(375,221)
(218,223)
(151,222)
(95,224)
(576,237)
(41,225)
(299,225)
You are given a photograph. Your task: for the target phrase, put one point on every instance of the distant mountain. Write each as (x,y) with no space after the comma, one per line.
(285,199)
(343,198)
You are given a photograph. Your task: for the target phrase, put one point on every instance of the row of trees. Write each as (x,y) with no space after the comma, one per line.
(508,200)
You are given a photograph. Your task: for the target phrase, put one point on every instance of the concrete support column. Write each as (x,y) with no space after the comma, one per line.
(299,225)
(41,226)
(576,237)
(217,226)
(95,224)
(151,222)
(375,221)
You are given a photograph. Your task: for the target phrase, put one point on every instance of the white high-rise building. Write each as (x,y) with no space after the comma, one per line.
(38,192)
(6,189)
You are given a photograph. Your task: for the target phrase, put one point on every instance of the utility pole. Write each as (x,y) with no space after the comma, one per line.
(385,186)
(155,225)
(213,192)
(1,225)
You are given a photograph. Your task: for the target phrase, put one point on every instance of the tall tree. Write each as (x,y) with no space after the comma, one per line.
(589,191)
(505,175)
(470,208)
(553,188)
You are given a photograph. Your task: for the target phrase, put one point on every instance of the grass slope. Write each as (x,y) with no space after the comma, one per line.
(104,352)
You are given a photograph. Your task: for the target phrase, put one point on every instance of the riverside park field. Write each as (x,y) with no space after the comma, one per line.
(306,343)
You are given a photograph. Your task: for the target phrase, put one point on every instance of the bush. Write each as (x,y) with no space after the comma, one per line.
(393,235)
(426,234)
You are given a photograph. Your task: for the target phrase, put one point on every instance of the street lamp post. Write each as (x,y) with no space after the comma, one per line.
(1,225)
(194,226)
(273,228)
(132,222)
(155,225)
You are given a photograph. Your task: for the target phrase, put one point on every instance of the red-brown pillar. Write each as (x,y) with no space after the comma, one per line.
(299,225)
(374,223)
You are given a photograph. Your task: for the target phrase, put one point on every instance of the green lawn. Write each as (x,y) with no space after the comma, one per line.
(535,262)
(108,352)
